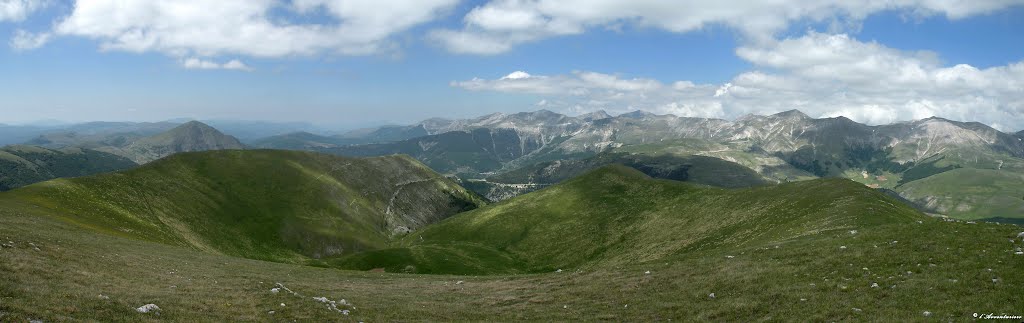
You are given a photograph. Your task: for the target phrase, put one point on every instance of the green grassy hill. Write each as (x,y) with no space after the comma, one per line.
(23,165)
(271,205)
(617,215)
(696,169)
(631,249)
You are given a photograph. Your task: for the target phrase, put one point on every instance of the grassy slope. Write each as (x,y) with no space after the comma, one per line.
(941,267)
(617,215)
(272,205)
(970,193)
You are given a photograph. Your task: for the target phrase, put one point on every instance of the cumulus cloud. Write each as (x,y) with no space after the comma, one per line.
(201,64)
(18,10)
(500,25)
(821,74)
(259,28)
(23,40)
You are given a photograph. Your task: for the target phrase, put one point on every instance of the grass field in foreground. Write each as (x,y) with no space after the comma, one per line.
(948,269)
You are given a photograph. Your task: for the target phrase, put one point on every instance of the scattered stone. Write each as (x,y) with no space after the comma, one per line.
(874,285)
(148,308)
(842,247)
(558,271)
(565,306)
(712,295)
(730,257)
(275,290)
(101,296)
(857,310)
(920,222)
(1019,253)
(853,231)
(1019,235)
(803,299)
(282,304)
(647,272)
(927,313)
(627,306)
(459,282)
(345,312)
(270,312)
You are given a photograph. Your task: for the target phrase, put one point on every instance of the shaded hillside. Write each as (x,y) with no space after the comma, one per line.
(24,165)
(969,193)
(617,215)
(694,169)
(697,169)
(272,205)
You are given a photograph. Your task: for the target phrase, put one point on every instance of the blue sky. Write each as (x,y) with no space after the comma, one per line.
(876,63)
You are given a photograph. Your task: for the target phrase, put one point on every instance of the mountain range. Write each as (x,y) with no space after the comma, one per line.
(787,146)
(920,160)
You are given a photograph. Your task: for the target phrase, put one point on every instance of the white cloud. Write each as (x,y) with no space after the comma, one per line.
(23,40)
(201,64)
(823,75)
(499,25)
(18,10)
(247,27)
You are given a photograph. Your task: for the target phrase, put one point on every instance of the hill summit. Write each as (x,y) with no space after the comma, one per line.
(188,137)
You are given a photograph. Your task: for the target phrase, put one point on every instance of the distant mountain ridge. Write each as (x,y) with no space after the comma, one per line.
(785,146)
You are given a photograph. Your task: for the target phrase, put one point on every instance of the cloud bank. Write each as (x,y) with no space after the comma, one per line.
(500,25)
(821,74)
(257,28)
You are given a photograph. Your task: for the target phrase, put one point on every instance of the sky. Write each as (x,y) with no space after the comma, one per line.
(344,63)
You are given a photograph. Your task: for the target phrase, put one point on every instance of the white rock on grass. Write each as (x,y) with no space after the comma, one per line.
(712,295)
(101,296)
(647,272)
(874,285)
(275,290)
(927,313)
(842,247)
(148,308)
